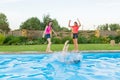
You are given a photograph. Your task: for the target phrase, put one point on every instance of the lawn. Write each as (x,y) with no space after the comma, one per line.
(57,47)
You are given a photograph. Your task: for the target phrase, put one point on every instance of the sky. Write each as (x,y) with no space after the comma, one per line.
(91,13)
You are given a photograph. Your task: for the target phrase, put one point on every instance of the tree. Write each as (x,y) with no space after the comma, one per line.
(31,24)
(114,27)
(4,25)
(56,26)
(35,24)
(46,19)
(103,27)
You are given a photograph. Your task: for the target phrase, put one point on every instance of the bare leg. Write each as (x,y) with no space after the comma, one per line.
(75,45)
(65,48)
(49,45)
(65,45)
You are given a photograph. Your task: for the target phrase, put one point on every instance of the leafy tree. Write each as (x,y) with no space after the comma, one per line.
(35,24)
(114,27)
(56,26)
(103,27)
(4,26)
(31,24)
(46,19)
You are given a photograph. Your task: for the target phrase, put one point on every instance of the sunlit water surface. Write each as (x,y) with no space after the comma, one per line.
(57,66)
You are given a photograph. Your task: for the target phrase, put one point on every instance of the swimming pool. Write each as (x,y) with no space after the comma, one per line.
(92,66)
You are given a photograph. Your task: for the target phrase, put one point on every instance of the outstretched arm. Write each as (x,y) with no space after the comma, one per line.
(79,24)
(69,23)
(54,32)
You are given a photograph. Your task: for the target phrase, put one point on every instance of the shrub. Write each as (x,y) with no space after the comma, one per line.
(65,39)
(82,39)
(2,38)
(8,38)
(23,39)
(117,39)
(56,40)
(31,42)
(104,40)
(13,40)
(95,39)
(111,37)
(40,40)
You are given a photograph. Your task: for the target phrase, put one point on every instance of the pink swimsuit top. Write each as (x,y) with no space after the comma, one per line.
(48,30)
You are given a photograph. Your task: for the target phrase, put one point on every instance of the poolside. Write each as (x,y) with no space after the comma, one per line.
(38,52)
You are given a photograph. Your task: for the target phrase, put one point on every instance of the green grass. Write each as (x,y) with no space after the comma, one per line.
(57,47)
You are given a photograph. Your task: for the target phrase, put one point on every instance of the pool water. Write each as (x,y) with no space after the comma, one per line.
(73,66)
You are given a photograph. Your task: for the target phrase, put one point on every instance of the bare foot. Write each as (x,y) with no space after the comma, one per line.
(50,51)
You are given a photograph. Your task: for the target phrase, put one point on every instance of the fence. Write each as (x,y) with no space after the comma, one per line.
(38,33)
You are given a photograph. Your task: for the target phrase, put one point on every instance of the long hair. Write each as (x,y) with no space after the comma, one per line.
(49,23)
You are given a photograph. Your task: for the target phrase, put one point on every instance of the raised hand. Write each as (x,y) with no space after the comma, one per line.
(69,23)
(79,22)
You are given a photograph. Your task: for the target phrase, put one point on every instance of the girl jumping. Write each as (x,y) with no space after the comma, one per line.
(75,28)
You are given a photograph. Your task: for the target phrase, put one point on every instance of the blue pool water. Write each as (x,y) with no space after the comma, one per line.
(92,66)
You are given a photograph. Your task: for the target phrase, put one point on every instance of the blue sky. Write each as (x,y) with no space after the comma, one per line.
(90,12)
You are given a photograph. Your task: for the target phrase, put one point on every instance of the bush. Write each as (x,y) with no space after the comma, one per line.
(13,40)
(56,40)
(2,38)
(63,40)
(105,40)
(23,39)
(8,38)
(95,39)
(41,40)
(82,39)
(117,39)
(111,37)
(31,42)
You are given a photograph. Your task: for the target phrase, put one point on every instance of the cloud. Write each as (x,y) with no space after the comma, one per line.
(108,3)
(9,1)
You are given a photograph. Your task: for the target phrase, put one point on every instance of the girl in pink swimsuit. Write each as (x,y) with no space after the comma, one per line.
(47,33)
(75,28)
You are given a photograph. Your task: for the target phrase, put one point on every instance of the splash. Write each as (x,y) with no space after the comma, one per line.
(65,56)
(69,57)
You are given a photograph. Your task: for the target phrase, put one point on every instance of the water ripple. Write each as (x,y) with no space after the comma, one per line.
(53,67)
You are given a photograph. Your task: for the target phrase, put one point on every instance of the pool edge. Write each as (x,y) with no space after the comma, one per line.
(38,52)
